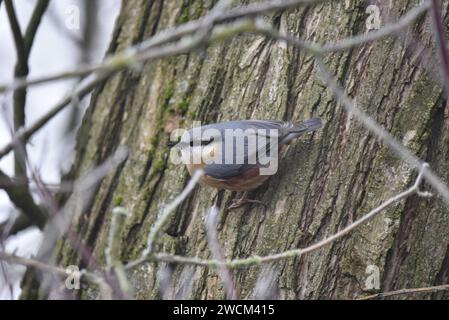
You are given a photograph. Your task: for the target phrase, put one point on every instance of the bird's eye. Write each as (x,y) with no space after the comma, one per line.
(206,142)
(202,142)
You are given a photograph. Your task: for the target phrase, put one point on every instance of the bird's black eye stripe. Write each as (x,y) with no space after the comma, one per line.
(206,142)
(202,142)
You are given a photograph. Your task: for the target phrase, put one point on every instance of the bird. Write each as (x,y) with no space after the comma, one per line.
(236,155)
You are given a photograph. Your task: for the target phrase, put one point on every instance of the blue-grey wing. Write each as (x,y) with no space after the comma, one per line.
(227,171)
(283,133)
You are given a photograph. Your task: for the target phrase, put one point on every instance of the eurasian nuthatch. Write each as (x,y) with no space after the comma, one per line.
(239,155)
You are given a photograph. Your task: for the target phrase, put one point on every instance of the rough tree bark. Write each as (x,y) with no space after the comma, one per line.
(326,180)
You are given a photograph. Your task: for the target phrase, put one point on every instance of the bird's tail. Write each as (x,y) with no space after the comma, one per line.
(301,128)
(307,126)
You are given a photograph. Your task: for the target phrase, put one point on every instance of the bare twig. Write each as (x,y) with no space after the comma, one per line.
(112,253)
(23,49)
(8,257)
(386,31)
(119,62)
(34,24)
(164,277)
(89,277)
(267,287)
(217,254)
(20,195)
(113,261)
(441,41)
(59,224)
(15,225)
(383,135)
(256,260)
(124,59)
(443,287)
(22,199)
(24,134)
(349,105)
(148,51)
(20,70)
(348,43)
(167,211)
(105,288)
(163,219)
(142,52)
(16,31)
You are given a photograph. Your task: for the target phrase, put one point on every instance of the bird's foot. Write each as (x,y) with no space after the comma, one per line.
(238,203)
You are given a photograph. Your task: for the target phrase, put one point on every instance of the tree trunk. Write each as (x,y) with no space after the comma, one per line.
(325,181)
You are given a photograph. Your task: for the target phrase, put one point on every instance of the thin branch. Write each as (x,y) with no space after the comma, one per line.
(348,43)
(122,60)
(19,224)
(80,92)
(59,224)
(119,62)
(440,39)
(125,60)
(22,199)
(34,24)
(443,287)
(164,275)
(19,97)
(106,291)
(368,122)
(163,219)
(267,284)
(23,48)
(16,31)
(257,260)
(217,254)
(166,212)
(31,263)
(383,135)
(139,53)
(80,71)
(112,252)
(63,187)
(89,277)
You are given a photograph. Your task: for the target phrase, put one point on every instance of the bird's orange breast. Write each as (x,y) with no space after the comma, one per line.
(248,180)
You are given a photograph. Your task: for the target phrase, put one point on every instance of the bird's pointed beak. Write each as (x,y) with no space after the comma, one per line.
(171,144)
(177,144)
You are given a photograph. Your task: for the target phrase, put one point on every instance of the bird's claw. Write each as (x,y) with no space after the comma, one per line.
(238,203)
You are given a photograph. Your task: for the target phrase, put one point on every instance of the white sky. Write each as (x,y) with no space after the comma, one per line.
(53,51)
